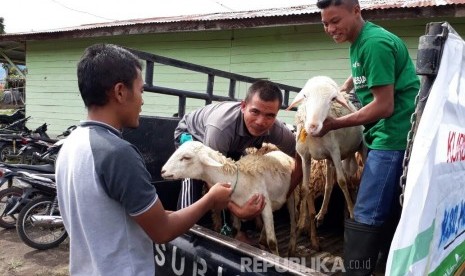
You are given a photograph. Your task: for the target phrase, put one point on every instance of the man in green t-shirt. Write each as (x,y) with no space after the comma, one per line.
(383,77)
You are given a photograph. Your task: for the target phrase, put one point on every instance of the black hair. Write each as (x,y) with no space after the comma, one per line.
(323,4)
(100,68)
(267,91)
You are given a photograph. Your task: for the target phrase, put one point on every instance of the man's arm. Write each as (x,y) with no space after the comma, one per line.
(381,107)
(348,85)
(162,226)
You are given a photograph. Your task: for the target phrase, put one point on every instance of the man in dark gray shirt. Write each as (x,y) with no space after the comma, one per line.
(230,128)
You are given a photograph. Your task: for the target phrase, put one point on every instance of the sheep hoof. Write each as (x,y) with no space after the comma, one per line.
(243,237)
(290,253)
(318,221)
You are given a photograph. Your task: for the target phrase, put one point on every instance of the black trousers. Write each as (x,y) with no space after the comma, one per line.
(191,191)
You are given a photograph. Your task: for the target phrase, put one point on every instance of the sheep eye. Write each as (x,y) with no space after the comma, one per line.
(186,158)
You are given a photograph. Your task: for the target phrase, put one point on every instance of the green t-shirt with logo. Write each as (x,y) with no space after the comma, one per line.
(378,58)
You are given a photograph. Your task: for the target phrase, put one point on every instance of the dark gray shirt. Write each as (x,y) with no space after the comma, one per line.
(221,126)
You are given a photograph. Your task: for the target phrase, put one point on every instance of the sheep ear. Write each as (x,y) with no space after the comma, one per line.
(208,161)
(297,100)
(340,99)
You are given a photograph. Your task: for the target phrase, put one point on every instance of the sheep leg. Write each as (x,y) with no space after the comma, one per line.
(261,227)
(267,215)
(236,223)
(310,202)
(306,171)
(259,223)
(301,217)
(328,189)
(363,151)
(293,238)
(349,166)
(262,239)
(216,218)
(302,213)
(342,182)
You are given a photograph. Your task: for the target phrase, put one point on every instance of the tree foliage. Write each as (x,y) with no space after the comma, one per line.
(2,26)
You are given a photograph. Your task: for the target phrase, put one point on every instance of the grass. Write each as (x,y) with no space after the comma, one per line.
(48,272)
(14,264)
(7,111)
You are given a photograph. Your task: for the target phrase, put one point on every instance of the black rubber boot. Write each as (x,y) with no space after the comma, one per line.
(361,248)
(387,234)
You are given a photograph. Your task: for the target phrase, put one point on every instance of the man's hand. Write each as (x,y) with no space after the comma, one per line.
(220,195)
(328,125)
(251,209)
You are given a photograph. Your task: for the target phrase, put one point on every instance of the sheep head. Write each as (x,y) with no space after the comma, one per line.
(317,96)
(190,160)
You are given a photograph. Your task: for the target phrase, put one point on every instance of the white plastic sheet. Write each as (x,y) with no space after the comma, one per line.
(430,238)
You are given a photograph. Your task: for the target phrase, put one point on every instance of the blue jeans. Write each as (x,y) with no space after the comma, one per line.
(378,195)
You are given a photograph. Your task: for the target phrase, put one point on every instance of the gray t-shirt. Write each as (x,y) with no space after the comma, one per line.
(221,126)
(101,182)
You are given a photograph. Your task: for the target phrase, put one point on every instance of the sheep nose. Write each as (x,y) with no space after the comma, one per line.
(163,172)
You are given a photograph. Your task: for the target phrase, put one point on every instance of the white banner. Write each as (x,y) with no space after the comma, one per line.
(430,238)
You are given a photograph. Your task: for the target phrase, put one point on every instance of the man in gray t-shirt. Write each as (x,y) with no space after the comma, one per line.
(230,128)
(110,209)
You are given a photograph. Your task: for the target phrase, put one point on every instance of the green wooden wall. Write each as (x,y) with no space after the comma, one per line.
(289,55)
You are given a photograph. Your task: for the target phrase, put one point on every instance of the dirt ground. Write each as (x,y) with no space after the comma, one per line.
(16,258)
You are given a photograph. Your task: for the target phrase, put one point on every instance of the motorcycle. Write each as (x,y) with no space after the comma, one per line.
(7,197)
(15,127)
(9,144)
(8,119)
(10,198)
(34,209)
(39,224)
(40,150)
(31,145)
(33,204)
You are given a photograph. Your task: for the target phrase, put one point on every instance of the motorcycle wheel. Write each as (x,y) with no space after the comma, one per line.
(28,157)
(8,222)
(8,154)
(36,236)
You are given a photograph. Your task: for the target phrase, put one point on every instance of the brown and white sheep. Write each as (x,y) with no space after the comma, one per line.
(314,189)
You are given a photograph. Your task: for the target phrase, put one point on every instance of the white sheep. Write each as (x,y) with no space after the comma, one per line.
(321,98)
(268,174)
